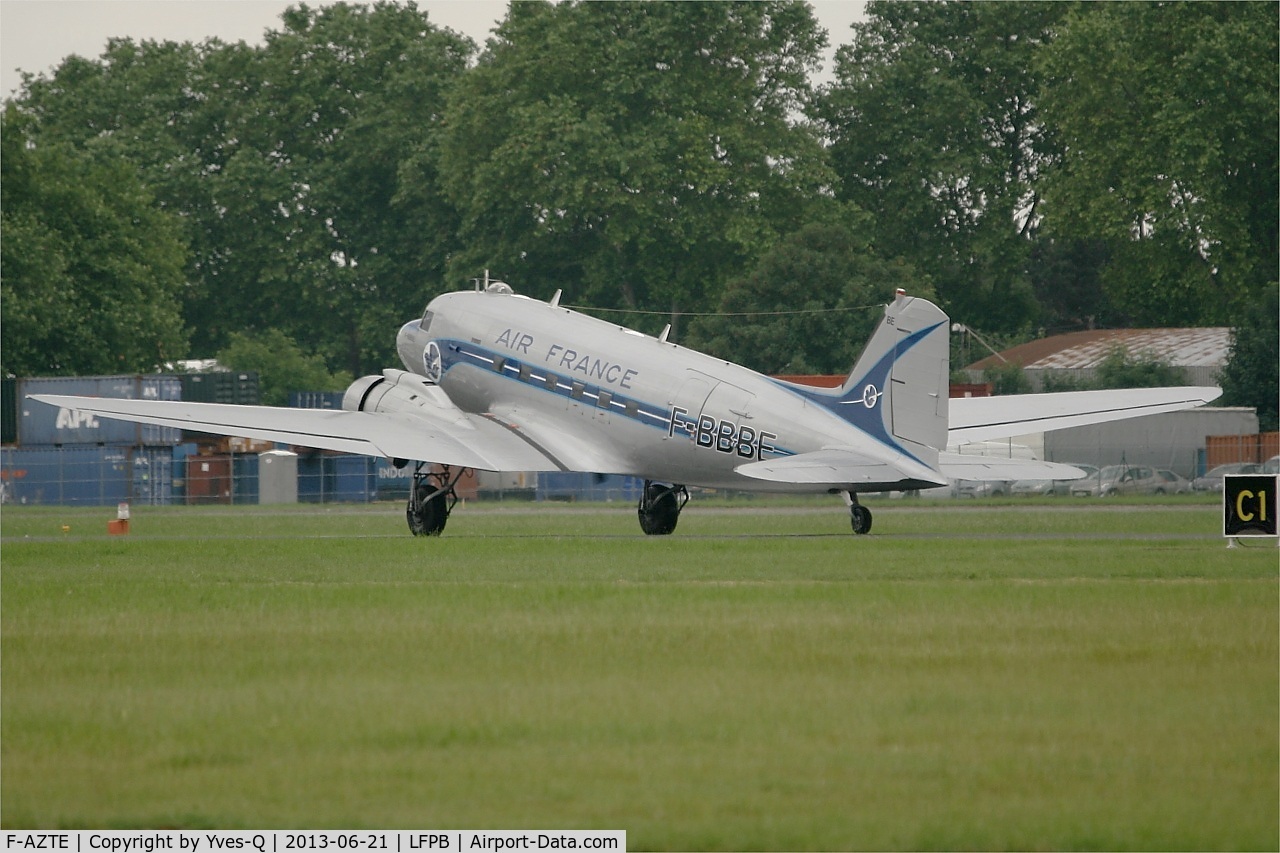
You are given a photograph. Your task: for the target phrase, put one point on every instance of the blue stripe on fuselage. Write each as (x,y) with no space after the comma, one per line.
(455,352)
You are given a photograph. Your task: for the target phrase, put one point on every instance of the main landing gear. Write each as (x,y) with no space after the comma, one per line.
(660,506)
(431,499)
(859,515)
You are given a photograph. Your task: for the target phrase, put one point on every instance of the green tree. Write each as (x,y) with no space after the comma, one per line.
(333,154)
(1166,114)
(1123,369)
(637,154)
(90,269)
(1251,376)
(809,306)
(936,132)
(1008,378)
(298,167)
(281,364)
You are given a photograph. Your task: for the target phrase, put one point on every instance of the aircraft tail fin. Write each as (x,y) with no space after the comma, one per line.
(897,391)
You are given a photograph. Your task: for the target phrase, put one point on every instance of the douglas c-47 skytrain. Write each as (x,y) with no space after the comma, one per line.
(502,382)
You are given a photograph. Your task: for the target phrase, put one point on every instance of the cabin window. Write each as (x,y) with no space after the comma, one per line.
(606,398)
(525,372)
(551,381)
(633,408)
(498,364)
(425,325)
(576,391)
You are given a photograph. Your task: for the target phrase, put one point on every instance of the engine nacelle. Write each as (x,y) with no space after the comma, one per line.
(393,391)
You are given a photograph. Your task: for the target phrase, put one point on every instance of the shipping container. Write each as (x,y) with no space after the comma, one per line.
(506,485)
(181,453)
(67,476)
(42,425)
(244,478)
(209,480)
(1225,449)
(239,388)
(340,478)
(315,399)
(393,483)
(152,476)
(573,486)
(8,411)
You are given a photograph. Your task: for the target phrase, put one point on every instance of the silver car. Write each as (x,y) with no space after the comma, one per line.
(981,488)
(1175,484)
(1121,480)
(1213,480)
(1036,488)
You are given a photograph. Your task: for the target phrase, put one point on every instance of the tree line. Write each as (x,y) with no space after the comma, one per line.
(1034,167)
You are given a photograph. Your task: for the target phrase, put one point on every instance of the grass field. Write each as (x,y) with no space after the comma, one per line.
(1040,676)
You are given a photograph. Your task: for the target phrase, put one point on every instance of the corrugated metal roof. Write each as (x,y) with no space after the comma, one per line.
(1083,350)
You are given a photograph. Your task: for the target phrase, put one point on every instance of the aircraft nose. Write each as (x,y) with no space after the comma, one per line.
(409,347)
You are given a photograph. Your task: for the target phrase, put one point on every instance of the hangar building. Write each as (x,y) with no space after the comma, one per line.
(1199,353)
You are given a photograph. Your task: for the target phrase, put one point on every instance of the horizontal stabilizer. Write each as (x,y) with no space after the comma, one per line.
(840,467)
(450,438)
(981,418)
(957,466)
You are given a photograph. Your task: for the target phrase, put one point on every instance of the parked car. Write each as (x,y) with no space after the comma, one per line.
(981,488)
(1212,480)
(1176,483)
(1035,488)
(1271,466)
(1122,480)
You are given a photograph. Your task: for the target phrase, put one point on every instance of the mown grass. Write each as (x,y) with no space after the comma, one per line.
(1038,677)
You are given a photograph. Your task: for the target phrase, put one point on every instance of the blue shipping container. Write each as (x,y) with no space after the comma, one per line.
(152,476)
(393,482)
(71,476)
(340,479)
(573,486)
(42,425)
(316,399)
(88,476)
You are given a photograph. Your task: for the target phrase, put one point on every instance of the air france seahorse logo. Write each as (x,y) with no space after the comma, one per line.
(870,396)
(432,362)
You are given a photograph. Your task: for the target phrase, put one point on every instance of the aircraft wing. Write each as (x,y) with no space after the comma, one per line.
(982,418)
(445,435)
(959,466)
(842,467)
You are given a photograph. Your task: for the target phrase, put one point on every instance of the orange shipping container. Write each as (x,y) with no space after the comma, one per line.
(1225,449)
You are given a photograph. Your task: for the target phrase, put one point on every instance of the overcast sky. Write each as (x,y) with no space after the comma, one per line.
(36,35)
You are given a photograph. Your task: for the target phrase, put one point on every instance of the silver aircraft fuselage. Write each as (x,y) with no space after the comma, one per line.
(644,407)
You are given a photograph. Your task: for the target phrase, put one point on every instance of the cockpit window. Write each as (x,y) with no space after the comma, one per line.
(425,325)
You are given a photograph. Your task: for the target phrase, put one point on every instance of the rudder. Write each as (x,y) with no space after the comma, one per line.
(897,390)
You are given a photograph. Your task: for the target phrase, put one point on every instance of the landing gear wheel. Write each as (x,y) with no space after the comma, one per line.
(428,515)
(860,519)
(859,515)
(659,508)
(431,499)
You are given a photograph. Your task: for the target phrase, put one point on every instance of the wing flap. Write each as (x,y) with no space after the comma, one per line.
(450,438)
(981,418)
